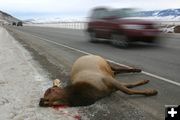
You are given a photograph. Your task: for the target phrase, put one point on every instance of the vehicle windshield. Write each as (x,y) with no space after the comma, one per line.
(122,13)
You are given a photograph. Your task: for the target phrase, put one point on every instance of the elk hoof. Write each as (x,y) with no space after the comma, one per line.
(145,81)
(137,70)
(151,92)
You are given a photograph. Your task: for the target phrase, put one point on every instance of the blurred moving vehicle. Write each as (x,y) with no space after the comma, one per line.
(19,23)
(14,23)
(117,26)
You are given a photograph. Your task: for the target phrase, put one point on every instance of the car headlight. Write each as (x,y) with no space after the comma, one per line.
(134,27)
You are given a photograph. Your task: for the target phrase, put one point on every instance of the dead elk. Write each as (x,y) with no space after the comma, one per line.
(92,78)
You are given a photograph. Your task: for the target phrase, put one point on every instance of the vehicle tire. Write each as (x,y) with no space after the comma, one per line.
(120,41)
(92,37)
(153,41)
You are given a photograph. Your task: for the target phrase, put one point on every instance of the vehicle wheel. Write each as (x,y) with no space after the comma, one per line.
(153,41)
(120,41)
(92,37)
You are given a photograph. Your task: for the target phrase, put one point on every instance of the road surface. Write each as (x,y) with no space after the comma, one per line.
(160,64)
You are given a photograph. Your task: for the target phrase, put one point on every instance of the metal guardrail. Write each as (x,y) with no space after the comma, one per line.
(73,25)
(69,25)
(83,25)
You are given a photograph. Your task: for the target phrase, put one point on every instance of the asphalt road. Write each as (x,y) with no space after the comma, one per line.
(162,61)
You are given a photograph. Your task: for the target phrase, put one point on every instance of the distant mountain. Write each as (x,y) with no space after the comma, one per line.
(167,14)
(7,18)
(160,13)
(54,20)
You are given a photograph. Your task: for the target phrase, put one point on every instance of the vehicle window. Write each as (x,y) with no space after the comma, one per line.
(121,13)
(99,14)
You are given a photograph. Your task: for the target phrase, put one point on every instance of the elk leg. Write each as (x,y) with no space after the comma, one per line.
(138,83)
(122,69)
(113,83)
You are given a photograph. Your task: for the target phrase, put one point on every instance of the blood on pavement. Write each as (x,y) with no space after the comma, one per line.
(57,107)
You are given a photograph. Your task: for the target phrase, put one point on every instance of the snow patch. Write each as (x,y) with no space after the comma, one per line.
(22,85)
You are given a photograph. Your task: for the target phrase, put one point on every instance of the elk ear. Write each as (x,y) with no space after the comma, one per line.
(56,83)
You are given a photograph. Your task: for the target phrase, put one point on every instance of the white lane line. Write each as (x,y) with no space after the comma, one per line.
(161,78)
(87,53)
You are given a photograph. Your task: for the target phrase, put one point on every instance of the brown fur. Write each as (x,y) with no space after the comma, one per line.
(92,78)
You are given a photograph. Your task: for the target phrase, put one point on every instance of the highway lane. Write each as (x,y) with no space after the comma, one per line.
(163,61)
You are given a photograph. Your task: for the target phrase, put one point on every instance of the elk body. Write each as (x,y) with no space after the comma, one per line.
(92,78)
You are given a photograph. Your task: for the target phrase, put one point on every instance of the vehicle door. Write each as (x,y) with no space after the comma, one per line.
(99,23)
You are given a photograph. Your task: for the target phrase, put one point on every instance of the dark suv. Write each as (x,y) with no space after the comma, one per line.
(116,26)
(20,23)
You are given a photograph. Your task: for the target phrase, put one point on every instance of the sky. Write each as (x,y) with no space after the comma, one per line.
(27,9)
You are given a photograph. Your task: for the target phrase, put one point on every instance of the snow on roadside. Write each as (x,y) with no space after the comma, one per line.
(22,85)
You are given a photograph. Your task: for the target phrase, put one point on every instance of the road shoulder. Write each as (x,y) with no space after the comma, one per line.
(22,83)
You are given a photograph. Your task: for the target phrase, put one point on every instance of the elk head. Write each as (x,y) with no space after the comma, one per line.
(54,95)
